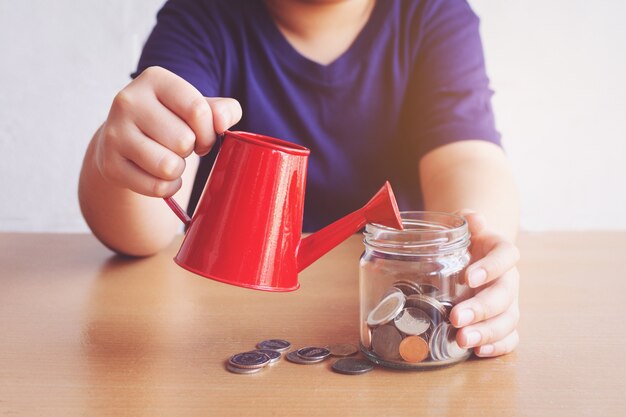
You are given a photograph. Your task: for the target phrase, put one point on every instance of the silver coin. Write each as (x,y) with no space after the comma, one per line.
(352,366)
(274,344)
(238,370)
(293,357)
(342,349)
(412,321)
(435,343)
(387,309)
(252,359)
(430,290)
(390,290)
(274,355)
(448,305)
(407,287)
(430,305)
(313,353)
(386,342)
(450,347)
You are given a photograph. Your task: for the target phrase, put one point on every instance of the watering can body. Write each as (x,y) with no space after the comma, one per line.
(246,229)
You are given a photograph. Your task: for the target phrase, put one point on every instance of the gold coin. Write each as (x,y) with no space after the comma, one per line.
(413,349)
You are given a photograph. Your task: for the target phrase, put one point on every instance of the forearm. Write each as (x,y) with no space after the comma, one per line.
(125,221)
(472,175)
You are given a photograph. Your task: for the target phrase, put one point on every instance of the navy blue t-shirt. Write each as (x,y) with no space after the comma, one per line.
(414,79)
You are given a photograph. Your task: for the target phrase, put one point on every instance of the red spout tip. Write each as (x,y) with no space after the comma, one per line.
(383,208)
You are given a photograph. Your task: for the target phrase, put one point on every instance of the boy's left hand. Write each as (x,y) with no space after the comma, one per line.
(487,322)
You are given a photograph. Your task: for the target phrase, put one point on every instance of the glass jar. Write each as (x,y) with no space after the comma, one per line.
(409,281)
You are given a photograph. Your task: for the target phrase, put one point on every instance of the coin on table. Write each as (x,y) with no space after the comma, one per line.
(274,344)
(387,309)
(274,355)
(238,370)
(313,353)
(352,366)
(386,342)
(252,359)
(295,358)
(342,349)
(407,287)
(413,349)
(412,321)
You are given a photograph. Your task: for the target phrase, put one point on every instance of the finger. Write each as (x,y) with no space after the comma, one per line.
(152,157)
(166,128)
(476,223)
(492,300)
(501,256)
(501,347)
(226,112)
(185,101)
(491,330)
(128,174)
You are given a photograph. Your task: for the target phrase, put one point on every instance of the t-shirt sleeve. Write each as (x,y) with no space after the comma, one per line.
(450,84)
(182,42)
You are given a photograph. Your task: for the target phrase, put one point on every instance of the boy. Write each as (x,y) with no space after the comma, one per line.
(378,90)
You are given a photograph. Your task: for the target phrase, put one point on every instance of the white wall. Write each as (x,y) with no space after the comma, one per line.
(559,71)
(557,66)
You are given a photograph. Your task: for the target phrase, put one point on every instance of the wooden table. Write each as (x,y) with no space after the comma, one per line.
(83,332)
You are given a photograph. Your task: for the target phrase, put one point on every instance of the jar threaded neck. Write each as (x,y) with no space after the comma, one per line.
(425,233)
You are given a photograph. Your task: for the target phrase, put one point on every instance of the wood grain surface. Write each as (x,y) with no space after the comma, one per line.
(84,332)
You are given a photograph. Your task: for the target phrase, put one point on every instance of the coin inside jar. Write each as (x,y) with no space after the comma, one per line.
(430,305)
(413,349)
(387,309)
(412,321)
(450,347)
(386,342)
(407,287)
(429,289)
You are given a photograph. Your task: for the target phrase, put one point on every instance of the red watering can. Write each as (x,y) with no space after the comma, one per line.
(246,229)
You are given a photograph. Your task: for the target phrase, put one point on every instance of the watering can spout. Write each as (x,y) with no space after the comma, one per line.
(381,209)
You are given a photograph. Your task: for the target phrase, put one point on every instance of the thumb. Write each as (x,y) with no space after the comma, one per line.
(226,112)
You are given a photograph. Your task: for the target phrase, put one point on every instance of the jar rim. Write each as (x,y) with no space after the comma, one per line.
(425,232)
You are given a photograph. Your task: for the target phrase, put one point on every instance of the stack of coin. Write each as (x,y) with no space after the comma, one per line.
(308,355)
(410,325)
(268,352)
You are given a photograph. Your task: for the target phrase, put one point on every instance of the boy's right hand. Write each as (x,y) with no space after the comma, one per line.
(154,123)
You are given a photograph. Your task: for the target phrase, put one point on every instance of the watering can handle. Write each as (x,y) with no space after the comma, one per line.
(178,210)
